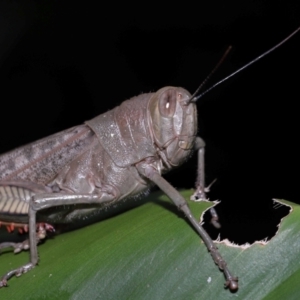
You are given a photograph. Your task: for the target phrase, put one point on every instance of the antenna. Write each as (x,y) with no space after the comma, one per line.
(209,75)
(194,98)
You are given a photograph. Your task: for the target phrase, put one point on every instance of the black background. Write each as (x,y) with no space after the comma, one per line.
(64,62)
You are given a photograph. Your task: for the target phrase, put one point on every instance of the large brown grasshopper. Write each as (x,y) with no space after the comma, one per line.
(116,155)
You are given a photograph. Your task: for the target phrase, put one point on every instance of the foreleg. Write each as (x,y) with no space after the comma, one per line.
(150,172)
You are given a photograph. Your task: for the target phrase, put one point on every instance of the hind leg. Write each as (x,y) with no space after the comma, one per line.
(43,201)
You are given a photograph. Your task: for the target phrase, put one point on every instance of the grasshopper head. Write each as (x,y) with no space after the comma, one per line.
(173,123)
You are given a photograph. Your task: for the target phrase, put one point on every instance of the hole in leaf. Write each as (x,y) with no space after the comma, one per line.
(241,224)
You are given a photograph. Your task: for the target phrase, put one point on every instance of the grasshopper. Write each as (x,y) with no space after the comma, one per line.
(115,156)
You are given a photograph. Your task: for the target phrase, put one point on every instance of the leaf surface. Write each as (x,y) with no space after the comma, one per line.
(151,252)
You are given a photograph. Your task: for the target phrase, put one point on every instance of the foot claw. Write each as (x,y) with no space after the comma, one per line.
(214,218)
(199,196)
(42,229)
(17,272)
(232,284)
(3,283)
(200,193)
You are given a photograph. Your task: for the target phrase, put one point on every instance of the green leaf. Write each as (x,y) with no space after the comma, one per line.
(151,252)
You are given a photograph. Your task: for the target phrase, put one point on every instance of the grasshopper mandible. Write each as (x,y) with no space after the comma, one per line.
(116,155)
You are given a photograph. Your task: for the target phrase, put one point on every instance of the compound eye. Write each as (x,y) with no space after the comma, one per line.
(167,103)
